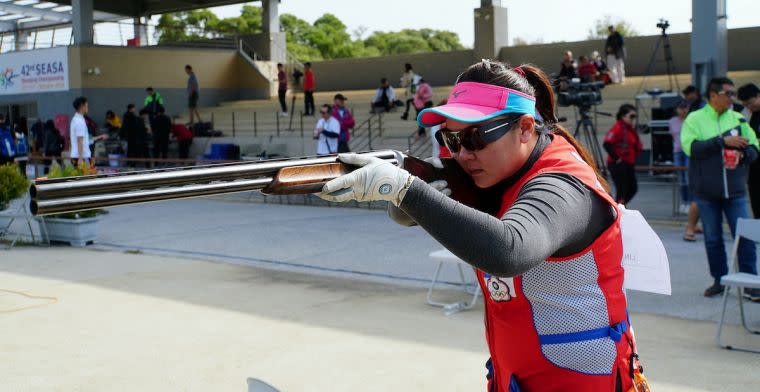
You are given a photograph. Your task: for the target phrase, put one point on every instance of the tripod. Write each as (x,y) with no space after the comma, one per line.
(664,41)
(585,125)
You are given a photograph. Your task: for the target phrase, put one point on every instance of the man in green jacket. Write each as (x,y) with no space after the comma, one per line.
(721,146)
(152,102)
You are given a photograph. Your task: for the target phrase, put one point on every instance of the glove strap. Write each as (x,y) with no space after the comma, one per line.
(403,190)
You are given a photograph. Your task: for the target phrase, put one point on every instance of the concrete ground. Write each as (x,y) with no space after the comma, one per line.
(116,321)
(201,294)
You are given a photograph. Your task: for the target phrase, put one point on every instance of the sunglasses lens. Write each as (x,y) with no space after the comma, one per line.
(468,138)
(451,140)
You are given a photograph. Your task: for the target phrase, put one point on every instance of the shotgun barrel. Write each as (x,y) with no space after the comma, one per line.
(281,176)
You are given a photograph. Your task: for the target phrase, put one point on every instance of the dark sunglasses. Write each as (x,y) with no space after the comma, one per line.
(475,137)
(322,112)
(632,115)
(730,94)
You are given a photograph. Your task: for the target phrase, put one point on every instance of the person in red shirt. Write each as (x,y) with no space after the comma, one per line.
(184,139)
(308,90)
(587,70)
(623,146)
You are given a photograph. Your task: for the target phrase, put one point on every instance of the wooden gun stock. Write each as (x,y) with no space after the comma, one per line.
(298,180)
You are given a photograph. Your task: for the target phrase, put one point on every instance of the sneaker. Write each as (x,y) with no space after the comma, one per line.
(714,290)
(284,114)
(684,209)
(752,294)
(405,116)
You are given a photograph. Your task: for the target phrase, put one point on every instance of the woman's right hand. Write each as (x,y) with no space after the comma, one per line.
(441,186)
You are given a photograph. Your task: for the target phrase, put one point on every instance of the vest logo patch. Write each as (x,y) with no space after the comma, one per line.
(501,289)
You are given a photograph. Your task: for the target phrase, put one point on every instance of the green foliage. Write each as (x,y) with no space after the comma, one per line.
(599,31)
(325,39)
(12,184)
(56,171)
(203,24)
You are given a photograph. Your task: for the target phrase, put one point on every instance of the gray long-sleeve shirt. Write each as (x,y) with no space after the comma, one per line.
(554,214)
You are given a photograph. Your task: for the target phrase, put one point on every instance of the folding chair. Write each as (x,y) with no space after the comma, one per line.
(443,256)
(21,212)
(750,230)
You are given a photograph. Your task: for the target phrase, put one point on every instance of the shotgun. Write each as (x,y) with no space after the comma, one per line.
(290,176)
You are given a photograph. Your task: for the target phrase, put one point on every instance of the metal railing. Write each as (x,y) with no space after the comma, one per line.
(418,145)
(362,134)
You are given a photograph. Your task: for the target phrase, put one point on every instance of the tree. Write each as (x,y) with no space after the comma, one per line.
(599,31)
(327,38)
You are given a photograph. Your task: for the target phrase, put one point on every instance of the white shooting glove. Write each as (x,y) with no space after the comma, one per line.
(441,186)
(376,179)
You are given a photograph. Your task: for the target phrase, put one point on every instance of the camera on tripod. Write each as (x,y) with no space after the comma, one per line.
(663,25)
(582,95)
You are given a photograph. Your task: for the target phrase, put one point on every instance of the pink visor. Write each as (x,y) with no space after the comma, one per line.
(472,102)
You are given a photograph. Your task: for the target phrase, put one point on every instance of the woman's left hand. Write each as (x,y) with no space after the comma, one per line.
(376,179)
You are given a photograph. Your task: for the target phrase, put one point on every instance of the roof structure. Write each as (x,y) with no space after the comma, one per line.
(135,8)
(40,14)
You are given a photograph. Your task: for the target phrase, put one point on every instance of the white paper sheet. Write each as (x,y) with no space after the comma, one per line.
(644,259)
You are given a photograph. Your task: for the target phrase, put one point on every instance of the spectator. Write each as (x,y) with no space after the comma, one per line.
(346,120)
(7,144)
(384,98)
(692,95)
(79,134)
(601,67)
(327,132)
(308,90)
(721,146)
(136,134)
(152,102)
(688,206)
(38,131)
(21,137)
(113,124)
(623,146)
(423,99)
(193,93)
(568,70)
(52,144)
(95,136)
(184,139)
(587,70)
(282,88)
(409,81)
(161,127)
(749,95)
(615,48)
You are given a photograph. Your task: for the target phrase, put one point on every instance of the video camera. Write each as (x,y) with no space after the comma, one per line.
(663,25)
(583,95)
(297,75)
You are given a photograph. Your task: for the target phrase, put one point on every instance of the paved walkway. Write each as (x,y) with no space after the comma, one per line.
(331,289)
(127,322)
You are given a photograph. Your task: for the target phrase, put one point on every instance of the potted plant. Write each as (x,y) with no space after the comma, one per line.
(76,228)
(13,185)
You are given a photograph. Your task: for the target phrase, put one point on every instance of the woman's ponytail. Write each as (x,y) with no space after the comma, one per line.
(545,107)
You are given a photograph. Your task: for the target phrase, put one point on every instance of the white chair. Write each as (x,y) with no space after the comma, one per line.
(750,230)
(442,257)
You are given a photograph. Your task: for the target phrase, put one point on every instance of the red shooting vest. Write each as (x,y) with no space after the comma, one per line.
(562,325)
